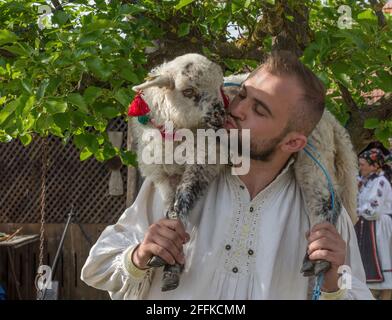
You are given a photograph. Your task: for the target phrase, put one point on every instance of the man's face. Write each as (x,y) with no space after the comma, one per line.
(263,105)
(365,168)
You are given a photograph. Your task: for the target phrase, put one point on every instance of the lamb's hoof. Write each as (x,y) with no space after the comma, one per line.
(156,262)
(171,277)
(321,266)
(307,267)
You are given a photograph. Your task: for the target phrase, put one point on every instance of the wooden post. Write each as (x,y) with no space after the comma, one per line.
(132,172)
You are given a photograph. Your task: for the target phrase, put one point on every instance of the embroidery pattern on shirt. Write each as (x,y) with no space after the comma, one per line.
(240,246)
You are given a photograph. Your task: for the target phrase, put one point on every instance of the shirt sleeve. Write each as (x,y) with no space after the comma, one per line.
(353,280)
(375,199)
(107,266)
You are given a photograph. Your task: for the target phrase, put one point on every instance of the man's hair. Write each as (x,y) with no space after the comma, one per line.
(309,109)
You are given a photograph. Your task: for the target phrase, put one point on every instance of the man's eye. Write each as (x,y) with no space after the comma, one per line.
(257,110)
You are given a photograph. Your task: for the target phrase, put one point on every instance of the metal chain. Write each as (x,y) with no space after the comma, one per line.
(42,203)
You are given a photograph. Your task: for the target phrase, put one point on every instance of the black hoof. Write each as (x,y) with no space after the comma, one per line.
(307,267)
(156,262)
(321,266)
(171,277)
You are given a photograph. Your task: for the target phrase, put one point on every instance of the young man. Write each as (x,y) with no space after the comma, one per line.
(247,236)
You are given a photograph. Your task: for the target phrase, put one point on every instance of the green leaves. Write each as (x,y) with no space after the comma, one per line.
(77,100)
(183,29)
(85,154)
(60,17)
(384,80)
(124,96)
(88,141)
(384,131)
(97,24)
(367,15)
(55,105)
(62,120)
(25,139)
(7,36)
(99,68)
(91,94)
(128,158)
(8,110)
(127,74)
(183,3)
(41,89)
(371,123)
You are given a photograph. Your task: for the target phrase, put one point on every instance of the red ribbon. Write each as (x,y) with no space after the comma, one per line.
(225,99)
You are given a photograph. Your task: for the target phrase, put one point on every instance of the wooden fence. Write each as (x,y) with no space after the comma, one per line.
(77,244)
(69,183)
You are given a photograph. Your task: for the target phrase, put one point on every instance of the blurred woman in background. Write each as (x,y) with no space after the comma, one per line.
(374,227)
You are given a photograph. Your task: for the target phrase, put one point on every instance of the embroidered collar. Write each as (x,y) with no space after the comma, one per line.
(365,180)
(281,178)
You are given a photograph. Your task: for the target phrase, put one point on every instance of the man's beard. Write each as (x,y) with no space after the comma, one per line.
(264,149)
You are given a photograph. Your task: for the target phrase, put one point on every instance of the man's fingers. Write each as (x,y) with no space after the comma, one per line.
(176,225)
(168,245)
(324,255)
(161,252)
(171,235)
(324,225)
(322,243)
(321,233)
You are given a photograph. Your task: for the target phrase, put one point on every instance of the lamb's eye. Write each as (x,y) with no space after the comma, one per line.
(189,93)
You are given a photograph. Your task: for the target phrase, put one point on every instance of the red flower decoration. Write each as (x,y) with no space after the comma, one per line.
(138,107)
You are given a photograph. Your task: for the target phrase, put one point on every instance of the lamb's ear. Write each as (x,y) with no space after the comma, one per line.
(158,81)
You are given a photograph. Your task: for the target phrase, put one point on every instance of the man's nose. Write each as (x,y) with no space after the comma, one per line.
(240,109)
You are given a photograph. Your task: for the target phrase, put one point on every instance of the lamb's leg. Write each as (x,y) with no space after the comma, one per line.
(194,182)
(166,186)
(310,268)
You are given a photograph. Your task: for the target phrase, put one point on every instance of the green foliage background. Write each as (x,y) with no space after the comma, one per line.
(69,72)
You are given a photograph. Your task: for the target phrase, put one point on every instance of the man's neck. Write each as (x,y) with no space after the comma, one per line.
(261,174)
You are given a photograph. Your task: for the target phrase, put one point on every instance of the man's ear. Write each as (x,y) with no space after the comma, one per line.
(294,142)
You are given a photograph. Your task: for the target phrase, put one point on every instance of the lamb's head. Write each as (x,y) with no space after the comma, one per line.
(183,89)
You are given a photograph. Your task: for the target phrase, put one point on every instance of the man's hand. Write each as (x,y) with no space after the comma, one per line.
(164,239)
(325,243)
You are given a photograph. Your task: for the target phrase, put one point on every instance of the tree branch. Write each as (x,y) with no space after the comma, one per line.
(171,48)
(377,7)
(57,5)
(293,35)
(382,109)
(348,99)
(6,54)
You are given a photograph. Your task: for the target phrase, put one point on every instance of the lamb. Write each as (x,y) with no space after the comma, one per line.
(330,144)
(188,92)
